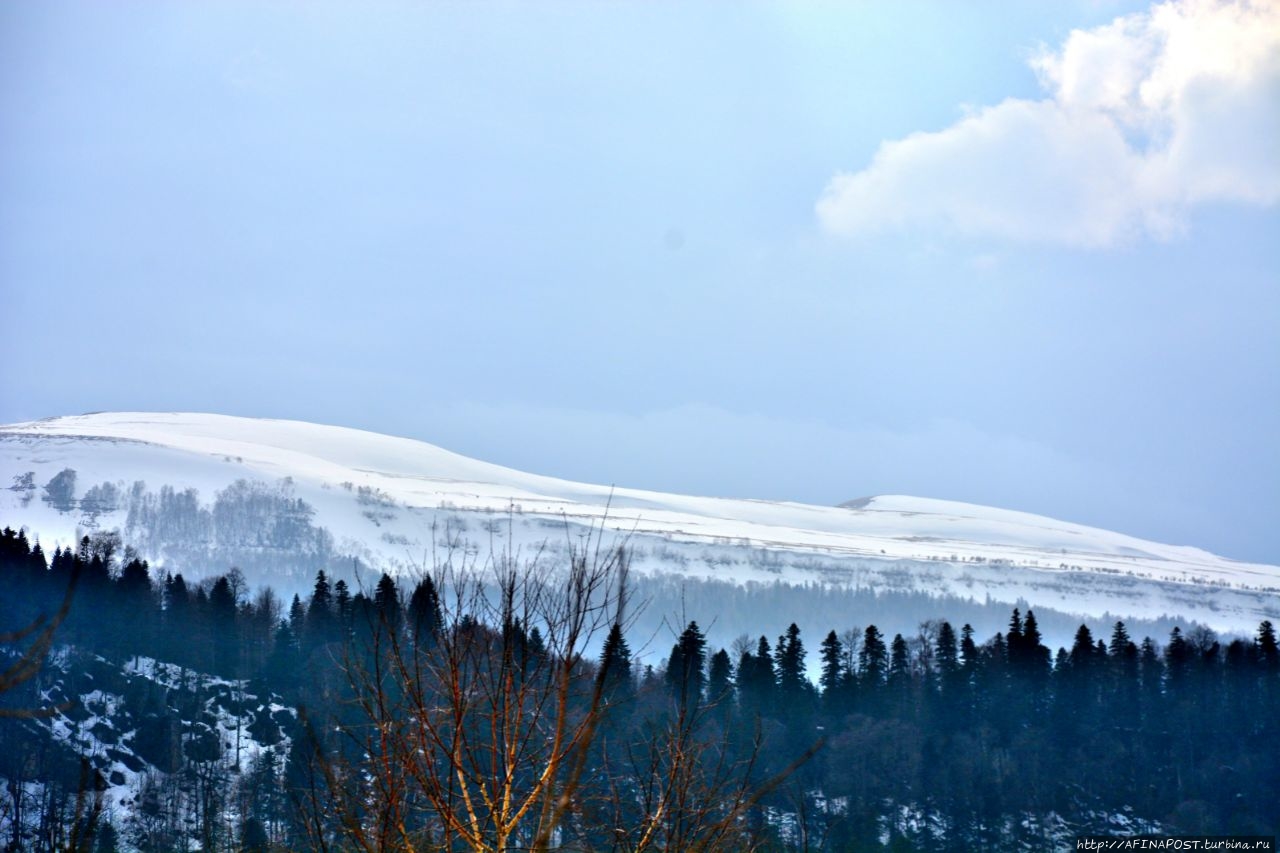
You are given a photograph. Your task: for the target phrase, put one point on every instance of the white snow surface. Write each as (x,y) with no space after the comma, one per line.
(968,549)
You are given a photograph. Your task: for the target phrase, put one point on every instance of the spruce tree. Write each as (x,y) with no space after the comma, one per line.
(425,618)
(615,667)
(282,663)
(1013,639)
(386,599)
(1035,652)
(756,684)
(1268,652)
(221,619)
(873,659)
(320,617)
(1119,640)
(899,660)
(176,621)
(788,659)
(947,658)
(720,680)
(685,667)
(1083,650)
(1177,659)
(342,604)
(136,607)
(297,618)
(537,646)
(833,672)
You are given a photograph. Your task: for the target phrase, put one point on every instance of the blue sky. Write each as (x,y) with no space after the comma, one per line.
(1016,254)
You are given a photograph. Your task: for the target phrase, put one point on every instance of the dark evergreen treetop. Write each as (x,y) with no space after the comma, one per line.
(686,666)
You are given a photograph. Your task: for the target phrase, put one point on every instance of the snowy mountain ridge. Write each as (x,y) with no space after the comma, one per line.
(391,501)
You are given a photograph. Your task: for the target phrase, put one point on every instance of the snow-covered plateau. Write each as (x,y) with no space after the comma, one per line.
(198,493)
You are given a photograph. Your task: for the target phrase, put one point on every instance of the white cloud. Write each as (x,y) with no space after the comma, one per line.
(1143,119)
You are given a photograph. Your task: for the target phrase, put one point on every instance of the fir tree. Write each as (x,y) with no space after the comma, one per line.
(1035,653)
(425,618)
(720,680)
(615,667)
(947,658)
(1119,640)
(686,665)
(1083,651)
(1268,653)
(1013,639)
(320,618)
(756,685)
(342,604)
(176,620)
(968,649)
(788,660)
(297,618)
(386,599)
(221,619)
(1177,660)
(899,661)
(873,658)
(833,671)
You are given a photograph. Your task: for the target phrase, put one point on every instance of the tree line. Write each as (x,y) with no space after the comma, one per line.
(502,706)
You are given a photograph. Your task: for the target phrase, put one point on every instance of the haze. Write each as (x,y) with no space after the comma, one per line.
(1022,255)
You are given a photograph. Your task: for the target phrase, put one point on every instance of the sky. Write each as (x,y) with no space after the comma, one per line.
(1023,255)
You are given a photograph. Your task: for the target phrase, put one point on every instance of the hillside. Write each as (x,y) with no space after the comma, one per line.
(200,492)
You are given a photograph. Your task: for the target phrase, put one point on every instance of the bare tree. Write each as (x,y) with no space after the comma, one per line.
(477,735)
(490,734)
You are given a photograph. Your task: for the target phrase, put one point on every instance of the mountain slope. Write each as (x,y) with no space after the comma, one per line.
(391,502)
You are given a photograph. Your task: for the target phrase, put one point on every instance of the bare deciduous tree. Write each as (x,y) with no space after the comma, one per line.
(490,734)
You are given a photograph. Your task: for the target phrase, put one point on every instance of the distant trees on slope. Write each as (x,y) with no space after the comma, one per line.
(480,710)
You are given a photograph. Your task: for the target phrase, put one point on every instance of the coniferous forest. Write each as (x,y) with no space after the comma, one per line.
(503,707)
